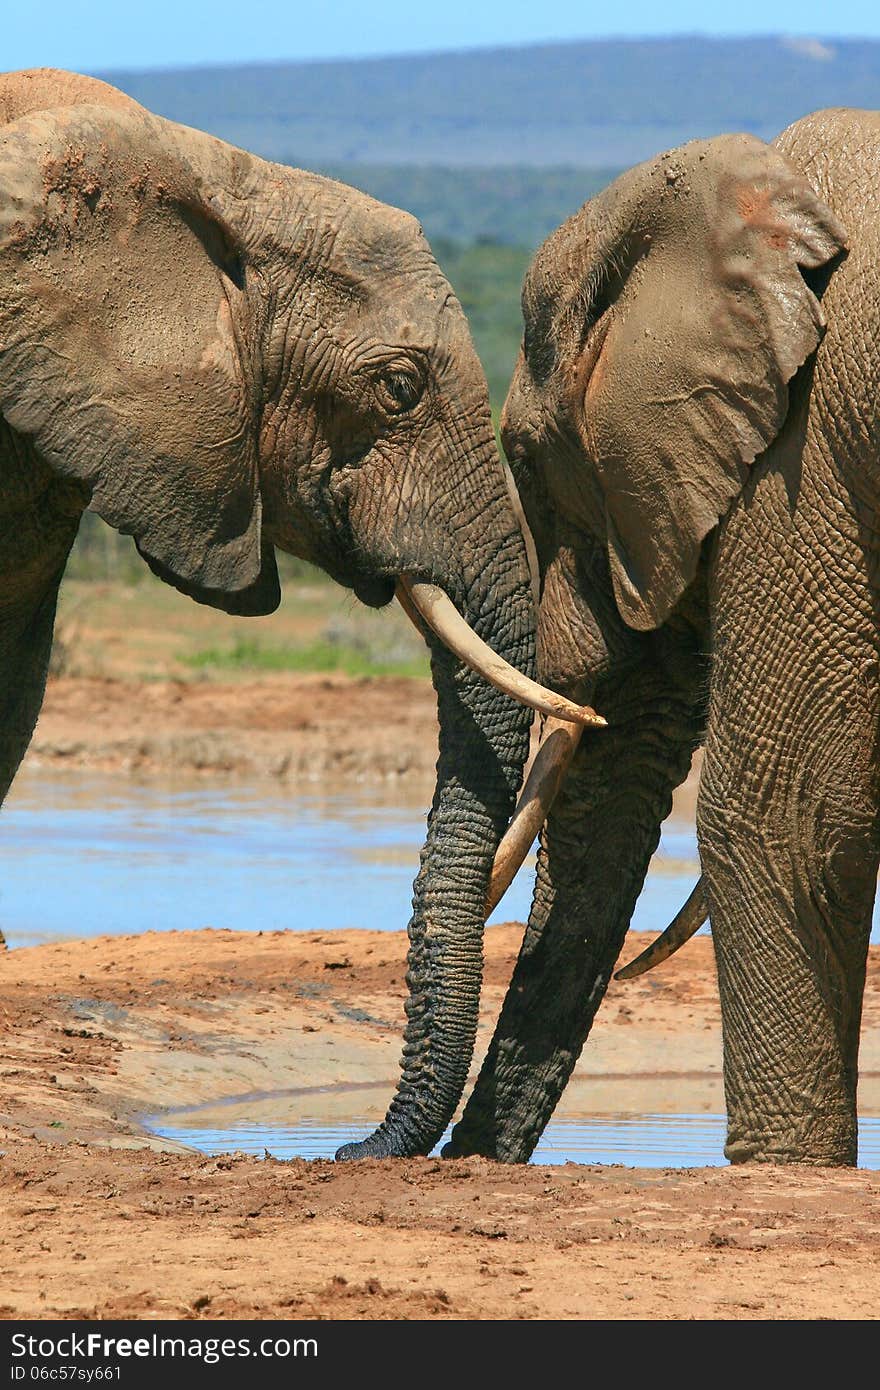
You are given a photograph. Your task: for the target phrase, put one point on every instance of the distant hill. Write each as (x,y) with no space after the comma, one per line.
(512,205)
(602,104)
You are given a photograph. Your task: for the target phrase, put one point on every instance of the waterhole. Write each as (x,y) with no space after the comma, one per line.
(91,855)
(643,1141)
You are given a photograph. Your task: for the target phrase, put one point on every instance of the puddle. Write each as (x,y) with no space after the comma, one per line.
(89,855)
(638,1141)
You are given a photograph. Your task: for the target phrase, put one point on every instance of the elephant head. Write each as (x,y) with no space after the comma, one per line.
(228,355)
(663,325)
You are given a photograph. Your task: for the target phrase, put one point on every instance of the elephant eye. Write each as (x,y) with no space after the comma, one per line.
(399,389)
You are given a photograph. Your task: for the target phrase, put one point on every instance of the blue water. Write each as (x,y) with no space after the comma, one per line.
(93,855)
(643,1141)
(88,855)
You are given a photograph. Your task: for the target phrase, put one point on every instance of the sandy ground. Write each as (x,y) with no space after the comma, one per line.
(99,1218)
(99,1221)
(288,727)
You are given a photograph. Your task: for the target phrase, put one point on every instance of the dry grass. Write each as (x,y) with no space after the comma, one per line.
(148,631)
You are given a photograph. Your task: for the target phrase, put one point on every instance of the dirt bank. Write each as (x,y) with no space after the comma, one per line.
(285,726)
(99,1032)
(290,728)
(101,1218)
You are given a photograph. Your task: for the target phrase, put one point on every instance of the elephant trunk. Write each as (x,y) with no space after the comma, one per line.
(596,847)
(484,739)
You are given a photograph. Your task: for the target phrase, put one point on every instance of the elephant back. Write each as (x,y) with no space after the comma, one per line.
(42,89)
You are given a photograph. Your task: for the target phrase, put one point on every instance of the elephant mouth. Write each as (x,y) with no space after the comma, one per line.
(430,607)
(376,591)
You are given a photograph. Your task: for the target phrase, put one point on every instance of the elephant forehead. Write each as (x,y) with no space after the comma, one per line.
(409,306)
(408,297)
(423,315)
(383,275)
(357,234)
(377,238)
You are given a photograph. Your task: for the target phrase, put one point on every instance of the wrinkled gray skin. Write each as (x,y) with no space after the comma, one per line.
(698,458)
(222,356)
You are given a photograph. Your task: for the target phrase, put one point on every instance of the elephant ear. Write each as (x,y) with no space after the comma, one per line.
(122,346)
(713,320)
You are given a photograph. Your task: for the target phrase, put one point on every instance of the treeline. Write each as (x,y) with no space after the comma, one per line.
(605,103)
(511,206)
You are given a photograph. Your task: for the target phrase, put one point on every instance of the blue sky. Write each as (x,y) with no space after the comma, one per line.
(116,33)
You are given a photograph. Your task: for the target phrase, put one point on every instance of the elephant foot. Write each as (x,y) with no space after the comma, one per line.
(512,1141)
(815,1151)
(375,1146)
(382,1143)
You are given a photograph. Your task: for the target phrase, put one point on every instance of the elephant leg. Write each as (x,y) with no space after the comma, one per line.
(789,830)
(24,663)
(597,844)
(34,546)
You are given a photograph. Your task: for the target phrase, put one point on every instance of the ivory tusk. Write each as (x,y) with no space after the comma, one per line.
(557,749)
(688,921)
(439,612)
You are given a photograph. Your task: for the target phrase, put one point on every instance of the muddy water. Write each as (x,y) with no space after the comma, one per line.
(284,1128)
(91,855)
(84,855)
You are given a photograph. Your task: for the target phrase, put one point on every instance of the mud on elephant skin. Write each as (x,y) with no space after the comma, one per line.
(693,426)
(220,356)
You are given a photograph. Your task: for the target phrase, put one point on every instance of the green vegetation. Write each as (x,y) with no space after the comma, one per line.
(513,205)
(101,554)
(349,659)
(488,279)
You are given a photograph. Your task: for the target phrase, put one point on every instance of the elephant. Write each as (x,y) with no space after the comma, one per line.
(693,427)
(221,356)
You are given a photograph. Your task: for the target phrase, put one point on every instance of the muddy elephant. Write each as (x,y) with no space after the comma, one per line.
(222,356)
(693,424)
